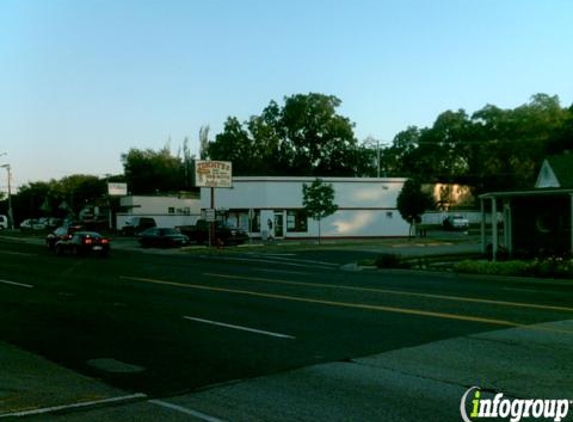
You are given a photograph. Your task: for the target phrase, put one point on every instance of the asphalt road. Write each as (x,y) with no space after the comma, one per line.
(169,324)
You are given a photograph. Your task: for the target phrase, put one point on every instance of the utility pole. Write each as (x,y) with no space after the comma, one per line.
(378,155)
(10,212)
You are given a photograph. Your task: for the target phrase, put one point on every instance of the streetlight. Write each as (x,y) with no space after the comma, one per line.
(10,212)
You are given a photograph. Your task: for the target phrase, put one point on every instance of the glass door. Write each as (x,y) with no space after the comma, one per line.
(279,224)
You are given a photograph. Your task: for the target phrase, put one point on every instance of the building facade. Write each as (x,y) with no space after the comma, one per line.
(168,211)
(272,206)
(536,222)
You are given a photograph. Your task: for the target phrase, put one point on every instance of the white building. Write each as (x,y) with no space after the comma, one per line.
(168,211)
(366,207)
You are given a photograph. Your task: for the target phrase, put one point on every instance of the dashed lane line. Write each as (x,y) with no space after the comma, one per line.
(238,327)
(74,405)
(350,305)
(186,411)
(17,253)
(13,283)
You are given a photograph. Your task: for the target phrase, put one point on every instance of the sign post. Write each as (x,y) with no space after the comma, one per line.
(114,189)
(213,174)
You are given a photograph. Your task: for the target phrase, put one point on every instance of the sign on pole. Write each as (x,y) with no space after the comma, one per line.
(213,174)
(117,189)
(210,215)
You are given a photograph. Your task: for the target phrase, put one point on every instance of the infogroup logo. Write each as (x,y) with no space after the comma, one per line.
(514,409)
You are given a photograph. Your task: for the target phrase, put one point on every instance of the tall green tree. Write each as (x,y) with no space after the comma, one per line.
(510,144)
(27,203)
(306,136)
(493,149)
(413,202)
(148,171)
(318,201)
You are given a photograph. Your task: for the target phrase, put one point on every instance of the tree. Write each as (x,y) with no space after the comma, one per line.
(234,144)
(412,202)
(28,201)
(148,171)
(303,137)
(510,145)
(318,201)
(203,142)
(397,159)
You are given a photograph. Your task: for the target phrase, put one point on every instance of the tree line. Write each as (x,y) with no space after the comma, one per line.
(491,149)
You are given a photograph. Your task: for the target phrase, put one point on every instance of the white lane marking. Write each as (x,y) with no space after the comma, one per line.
(238,327)
(186,411)
(75,405)
(524,290)
(18,253)
(310,261)
(13,283)
(281,254)
(298,263)
(265,270)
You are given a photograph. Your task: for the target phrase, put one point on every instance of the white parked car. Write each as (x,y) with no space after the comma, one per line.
(32,224)
(3,222)
(456,222)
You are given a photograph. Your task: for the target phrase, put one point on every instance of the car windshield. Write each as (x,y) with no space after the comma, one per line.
(168,232)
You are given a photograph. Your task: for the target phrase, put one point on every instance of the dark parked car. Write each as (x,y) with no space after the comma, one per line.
(225,234)
(162,238)
(82,243)
(61,233)
(136,225)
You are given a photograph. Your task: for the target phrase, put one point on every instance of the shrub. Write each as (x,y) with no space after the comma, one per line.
(554,267)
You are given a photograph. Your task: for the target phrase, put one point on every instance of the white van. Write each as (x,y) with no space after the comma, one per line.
(3,222)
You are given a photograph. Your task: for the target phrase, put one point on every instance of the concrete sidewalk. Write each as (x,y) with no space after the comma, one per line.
(423,383)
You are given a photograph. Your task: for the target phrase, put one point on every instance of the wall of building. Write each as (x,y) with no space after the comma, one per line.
(168,211)
(367,207)
(541,226)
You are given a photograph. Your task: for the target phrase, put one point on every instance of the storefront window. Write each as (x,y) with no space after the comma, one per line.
(256,221)
(297,221)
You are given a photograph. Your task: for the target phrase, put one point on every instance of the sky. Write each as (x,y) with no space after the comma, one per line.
(83,81)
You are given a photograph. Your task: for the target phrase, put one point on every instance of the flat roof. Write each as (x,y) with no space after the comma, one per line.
(531,192)
(326,179)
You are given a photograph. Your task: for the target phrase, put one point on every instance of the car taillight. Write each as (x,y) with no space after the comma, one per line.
(104,241)
(88,241)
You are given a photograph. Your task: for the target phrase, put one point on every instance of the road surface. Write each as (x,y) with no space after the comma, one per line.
(275,337)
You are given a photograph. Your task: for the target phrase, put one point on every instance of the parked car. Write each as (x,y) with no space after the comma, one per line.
(456,222)
(32,224)
(136,225)
(225,234)
(83,243)
(161,237)
(3,222)
(61,233)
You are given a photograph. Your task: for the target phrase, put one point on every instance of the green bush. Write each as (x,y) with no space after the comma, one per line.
(552,267)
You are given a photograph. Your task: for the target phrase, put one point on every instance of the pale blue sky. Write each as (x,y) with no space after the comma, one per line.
(83,81)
